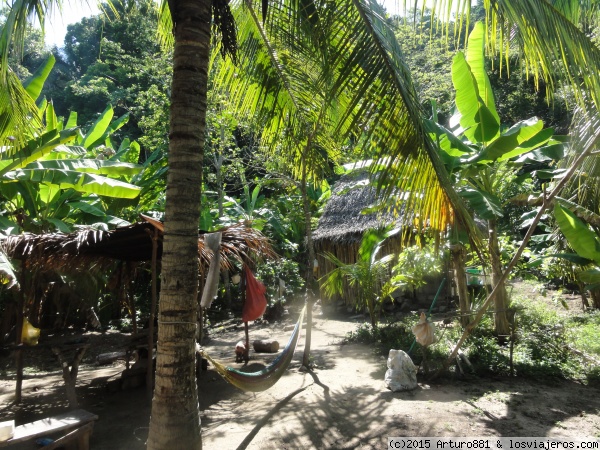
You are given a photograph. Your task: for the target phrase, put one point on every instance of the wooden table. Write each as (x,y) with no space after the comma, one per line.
(71,427)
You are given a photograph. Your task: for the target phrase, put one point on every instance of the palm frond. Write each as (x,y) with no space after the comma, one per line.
(333,75)
(18,114)
(165,26)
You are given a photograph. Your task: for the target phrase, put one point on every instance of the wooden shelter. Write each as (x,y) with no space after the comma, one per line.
(91,250)
(343,224)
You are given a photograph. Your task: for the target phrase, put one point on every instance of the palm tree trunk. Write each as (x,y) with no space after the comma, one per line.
(175,419)
(502,326)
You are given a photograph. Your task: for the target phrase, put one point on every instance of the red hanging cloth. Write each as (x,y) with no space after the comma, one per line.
(256,302)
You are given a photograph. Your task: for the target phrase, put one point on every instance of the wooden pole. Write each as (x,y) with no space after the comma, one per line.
(150,368)
(243,292)
(18,338)
(247,351)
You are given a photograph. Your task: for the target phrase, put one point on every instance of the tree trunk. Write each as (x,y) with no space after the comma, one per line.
(595,294)
(460,279)
(175,419)
(502,325)
(584,301)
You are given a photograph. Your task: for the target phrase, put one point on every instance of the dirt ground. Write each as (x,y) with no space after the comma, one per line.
(342,404)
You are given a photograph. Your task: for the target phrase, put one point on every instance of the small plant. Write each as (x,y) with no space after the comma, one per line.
(368,274)
(414,264)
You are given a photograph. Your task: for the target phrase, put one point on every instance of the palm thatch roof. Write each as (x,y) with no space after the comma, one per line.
(91,249)
(343,220)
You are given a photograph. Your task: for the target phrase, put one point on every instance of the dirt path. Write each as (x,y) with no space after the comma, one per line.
(342,404)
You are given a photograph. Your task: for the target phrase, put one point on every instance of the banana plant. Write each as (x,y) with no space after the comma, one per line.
(585,243)
(61,173)
(249,208)
(480,154)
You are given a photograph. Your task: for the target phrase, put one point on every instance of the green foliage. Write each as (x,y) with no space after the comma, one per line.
(429,57)
(543,348)
(584,332)
(61,177)
(414,264)
(270,272)
(384,337)
(481,156)
(118,61)
(584,241)
(7,272)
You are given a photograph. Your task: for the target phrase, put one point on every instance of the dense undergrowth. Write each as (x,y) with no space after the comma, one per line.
(546,344)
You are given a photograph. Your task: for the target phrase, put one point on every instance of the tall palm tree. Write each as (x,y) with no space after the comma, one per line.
(175,421)
(367,62)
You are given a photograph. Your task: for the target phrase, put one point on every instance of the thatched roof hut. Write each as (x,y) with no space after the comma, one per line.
(343,224)
(343,220)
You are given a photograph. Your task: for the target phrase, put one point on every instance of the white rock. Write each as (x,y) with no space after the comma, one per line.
(402,373)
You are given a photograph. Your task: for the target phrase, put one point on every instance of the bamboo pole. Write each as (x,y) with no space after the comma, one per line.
(590,143)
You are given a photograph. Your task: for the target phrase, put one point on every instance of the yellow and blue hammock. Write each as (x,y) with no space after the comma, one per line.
(264,378)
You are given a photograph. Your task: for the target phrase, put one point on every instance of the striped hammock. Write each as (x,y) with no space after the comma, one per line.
(264,378)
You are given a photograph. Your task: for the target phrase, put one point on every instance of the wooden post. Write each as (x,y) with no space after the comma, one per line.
(18,338)
(310,282)
(309,307)
(243,292)
(247,351)
(150,368)
(130,298)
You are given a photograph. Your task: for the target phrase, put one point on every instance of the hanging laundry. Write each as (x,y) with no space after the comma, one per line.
(256,302)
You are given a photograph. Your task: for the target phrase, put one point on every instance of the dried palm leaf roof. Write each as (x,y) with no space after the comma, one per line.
(343,220)
(91,249)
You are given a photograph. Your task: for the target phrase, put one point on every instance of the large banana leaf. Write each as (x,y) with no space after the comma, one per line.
(486,205)
(100,167)
(35,149)
(475,117)
(34,84)
(583,240)
(81,182)
(98,128)
(521,138)
(476,60)
(590,277)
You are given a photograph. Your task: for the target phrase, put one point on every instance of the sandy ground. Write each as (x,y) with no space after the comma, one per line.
(342,404)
